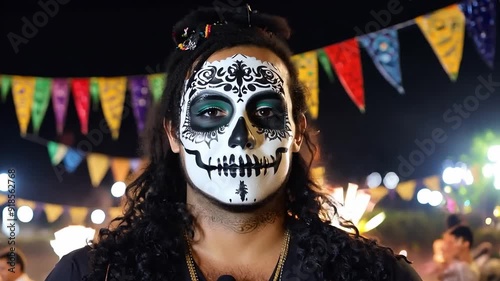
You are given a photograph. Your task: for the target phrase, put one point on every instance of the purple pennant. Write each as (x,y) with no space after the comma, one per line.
(60,98)
(141,100)
(481,26)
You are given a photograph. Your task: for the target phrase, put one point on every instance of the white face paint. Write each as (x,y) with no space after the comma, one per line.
(236,129)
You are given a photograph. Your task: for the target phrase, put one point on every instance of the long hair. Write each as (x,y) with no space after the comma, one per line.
(147,244)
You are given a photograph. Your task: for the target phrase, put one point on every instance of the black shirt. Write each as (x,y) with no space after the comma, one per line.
(75,265)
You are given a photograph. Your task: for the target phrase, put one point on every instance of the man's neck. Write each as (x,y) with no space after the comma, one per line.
(221,234)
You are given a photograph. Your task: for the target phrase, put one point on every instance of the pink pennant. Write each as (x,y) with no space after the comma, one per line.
(60,98)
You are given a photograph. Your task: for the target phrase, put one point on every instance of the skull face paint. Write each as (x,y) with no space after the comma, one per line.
(236,129)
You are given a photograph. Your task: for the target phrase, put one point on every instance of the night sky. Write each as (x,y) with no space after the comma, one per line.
(85,38)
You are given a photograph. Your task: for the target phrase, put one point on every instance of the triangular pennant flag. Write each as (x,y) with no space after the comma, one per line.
(433,183)
(120,167)
(325,63)
(56,152)
(81,96)
(346,60)
(23,89)
(383,48)
(72,159)
(141,100)
(94,92)
(6,84)
(481,26)
(112,95)
(135,163)
(115,212)
(53,212)
(98,165)
(406,189)
(444,29)
(378,193)
(78,215)
(60,99)
(157,85)
(40,102)
(307,67)
(28,203)
(3,198)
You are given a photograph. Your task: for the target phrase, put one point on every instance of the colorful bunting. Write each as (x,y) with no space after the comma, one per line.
(56,152)
(78,215)
(383,48)
(307,67)
(445,30)
(346,60)
(140,100)
(6,84)
(53,212)
(325,63)
(120,167)
(94,92)
(41,101)
(157,85)
(72,159)
(406,189)
(98,165)
(81,95)
(112,96)
(23,89)
(60,99)
(481,26)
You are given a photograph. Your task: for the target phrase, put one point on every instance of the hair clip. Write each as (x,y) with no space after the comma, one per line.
(192,40)
(249,12)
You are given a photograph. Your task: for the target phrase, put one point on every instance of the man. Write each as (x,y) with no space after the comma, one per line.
(227,194)
(459,263)
(13,265)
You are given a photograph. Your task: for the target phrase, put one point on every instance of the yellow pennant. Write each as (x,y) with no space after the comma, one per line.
(307,66)
(53,212)
(378,193)
(98,165)
(28,203)
(406,189)
(112,97)
(78,215)
(23,90)
(444,30)
(433,183)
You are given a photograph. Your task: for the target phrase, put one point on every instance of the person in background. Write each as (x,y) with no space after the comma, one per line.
(13,265)
(458,261)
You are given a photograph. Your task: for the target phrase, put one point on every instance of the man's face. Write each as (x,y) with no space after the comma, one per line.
(236,127)
(453,246)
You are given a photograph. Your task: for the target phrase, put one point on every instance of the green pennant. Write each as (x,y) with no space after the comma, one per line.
(41,101)
(325,63)
(156,85)
(57,152)
(94,92)
(6,81)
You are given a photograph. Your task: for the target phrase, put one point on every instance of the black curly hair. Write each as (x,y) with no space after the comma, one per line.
(147,241)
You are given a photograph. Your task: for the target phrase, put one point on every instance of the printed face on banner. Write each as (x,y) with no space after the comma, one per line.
(237,129)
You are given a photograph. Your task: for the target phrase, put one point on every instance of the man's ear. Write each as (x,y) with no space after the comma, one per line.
(172,139)
(299,133)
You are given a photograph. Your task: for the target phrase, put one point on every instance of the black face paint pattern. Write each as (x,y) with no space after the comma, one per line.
(243,167)
(242,191)
(239,78)
(200,128)
(269,114)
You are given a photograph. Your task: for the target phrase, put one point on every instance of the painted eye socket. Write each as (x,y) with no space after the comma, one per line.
(264,112)
(209,112)
(267,110)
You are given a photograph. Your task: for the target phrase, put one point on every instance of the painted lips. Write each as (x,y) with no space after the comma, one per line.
(243,166)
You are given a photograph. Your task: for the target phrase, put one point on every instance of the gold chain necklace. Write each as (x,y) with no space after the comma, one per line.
(277,275)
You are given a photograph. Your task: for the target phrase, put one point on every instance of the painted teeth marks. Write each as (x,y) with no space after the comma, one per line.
(245,166)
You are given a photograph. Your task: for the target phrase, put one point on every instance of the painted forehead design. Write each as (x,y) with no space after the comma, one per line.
(238,74)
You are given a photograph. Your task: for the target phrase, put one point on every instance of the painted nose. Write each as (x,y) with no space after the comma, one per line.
(241,136)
